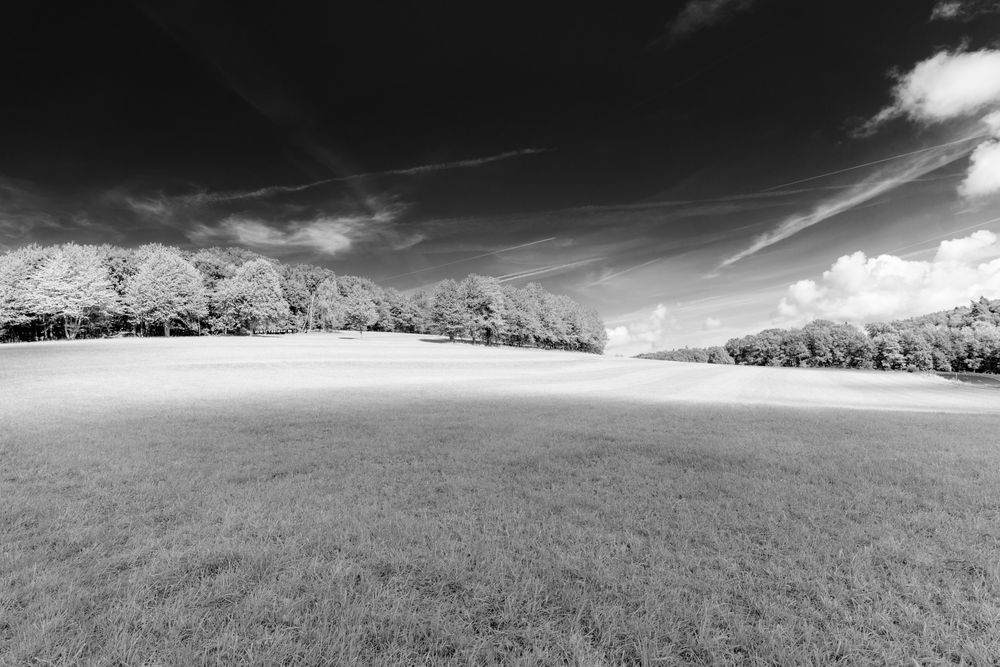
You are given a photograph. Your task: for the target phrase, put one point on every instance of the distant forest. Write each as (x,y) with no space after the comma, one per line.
(79,291)
(965,339)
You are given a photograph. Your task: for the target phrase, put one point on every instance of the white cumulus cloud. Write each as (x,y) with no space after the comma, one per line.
(947,85)
(858,288)
(644,334)
(983,176)
(955,85)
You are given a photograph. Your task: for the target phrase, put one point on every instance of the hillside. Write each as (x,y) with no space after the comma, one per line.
(399,499)
(179,371)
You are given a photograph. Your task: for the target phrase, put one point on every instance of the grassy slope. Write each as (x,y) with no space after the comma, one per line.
(387,524)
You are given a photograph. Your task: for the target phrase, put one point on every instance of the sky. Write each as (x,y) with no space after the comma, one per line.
(694,170)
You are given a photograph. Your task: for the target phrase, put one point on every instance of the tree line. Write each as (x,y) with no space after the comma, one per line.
(697,355)
(965,339)
(72,291)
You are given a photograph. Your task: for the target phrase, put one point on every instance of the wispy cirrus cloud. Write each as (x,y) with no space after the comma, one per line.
(698,15)
(886,180)
(32,214)
(330,235)
(273,190)
(469,259)
(963,10)
(948,88)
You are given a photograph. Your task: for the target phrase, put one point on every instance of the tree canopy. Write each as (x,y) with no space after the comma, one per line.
(964,339)
(165,288)
(107,290)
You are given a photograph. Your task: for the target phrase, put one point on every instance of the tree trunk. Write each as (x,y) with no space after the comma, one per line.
(312,299)
(166,329)
(72,331)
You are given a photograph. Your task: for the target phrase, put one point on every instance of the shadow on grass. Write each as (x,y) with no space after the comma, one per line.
(978,379)
(445,340)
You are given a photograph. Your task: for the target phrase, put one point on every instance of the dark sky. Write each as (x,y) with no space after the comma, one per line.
(631,156)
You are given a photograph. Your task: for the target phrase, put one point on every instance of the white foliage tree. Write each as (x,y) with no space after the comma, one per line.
(17,273)
(166,288)
(251,299)
(72,284)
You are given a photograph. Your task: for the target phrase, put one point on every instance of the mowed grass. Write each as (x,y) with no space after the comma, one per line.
(370,527)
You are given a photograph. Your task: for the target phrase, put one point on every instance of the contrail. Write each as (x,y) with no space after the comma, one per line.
(458,164)
(469,259)
(873,162)
(546,269)
(420,169)
(621,273)
(941,237)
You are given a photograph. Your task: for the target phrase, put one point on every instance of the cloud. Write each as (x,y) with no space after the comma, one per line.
(326,234)
(712,323)
(330,236)
(950,86)
(983,176)
(858,288)
(29,213)
(616,274)
(156,207)
(698,15)
(946,10)
(200,198)
(947,85)
(883,181)
(467,259)
(645,334)
(552,268)
(962,10)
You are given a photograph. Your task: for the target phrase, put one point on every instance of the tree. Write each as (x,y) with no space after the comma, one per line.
(251,299)
(72,284)
(215,265)
(403,315)
(888,351)
(521,315)
(794,348)
(484,304)
(300,286)
(360,311)
(18,305)
(917,350)
(329,304)
(718,355)
(449,314)
(166,287)
(111,289)
(594,336)
(423,306)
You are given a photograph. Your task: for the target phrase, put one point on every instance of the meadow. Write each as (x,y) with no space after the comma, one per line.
(325,499)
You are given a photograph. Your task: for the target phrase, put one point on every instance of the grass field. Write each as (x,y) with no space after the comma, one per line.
(324,499)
